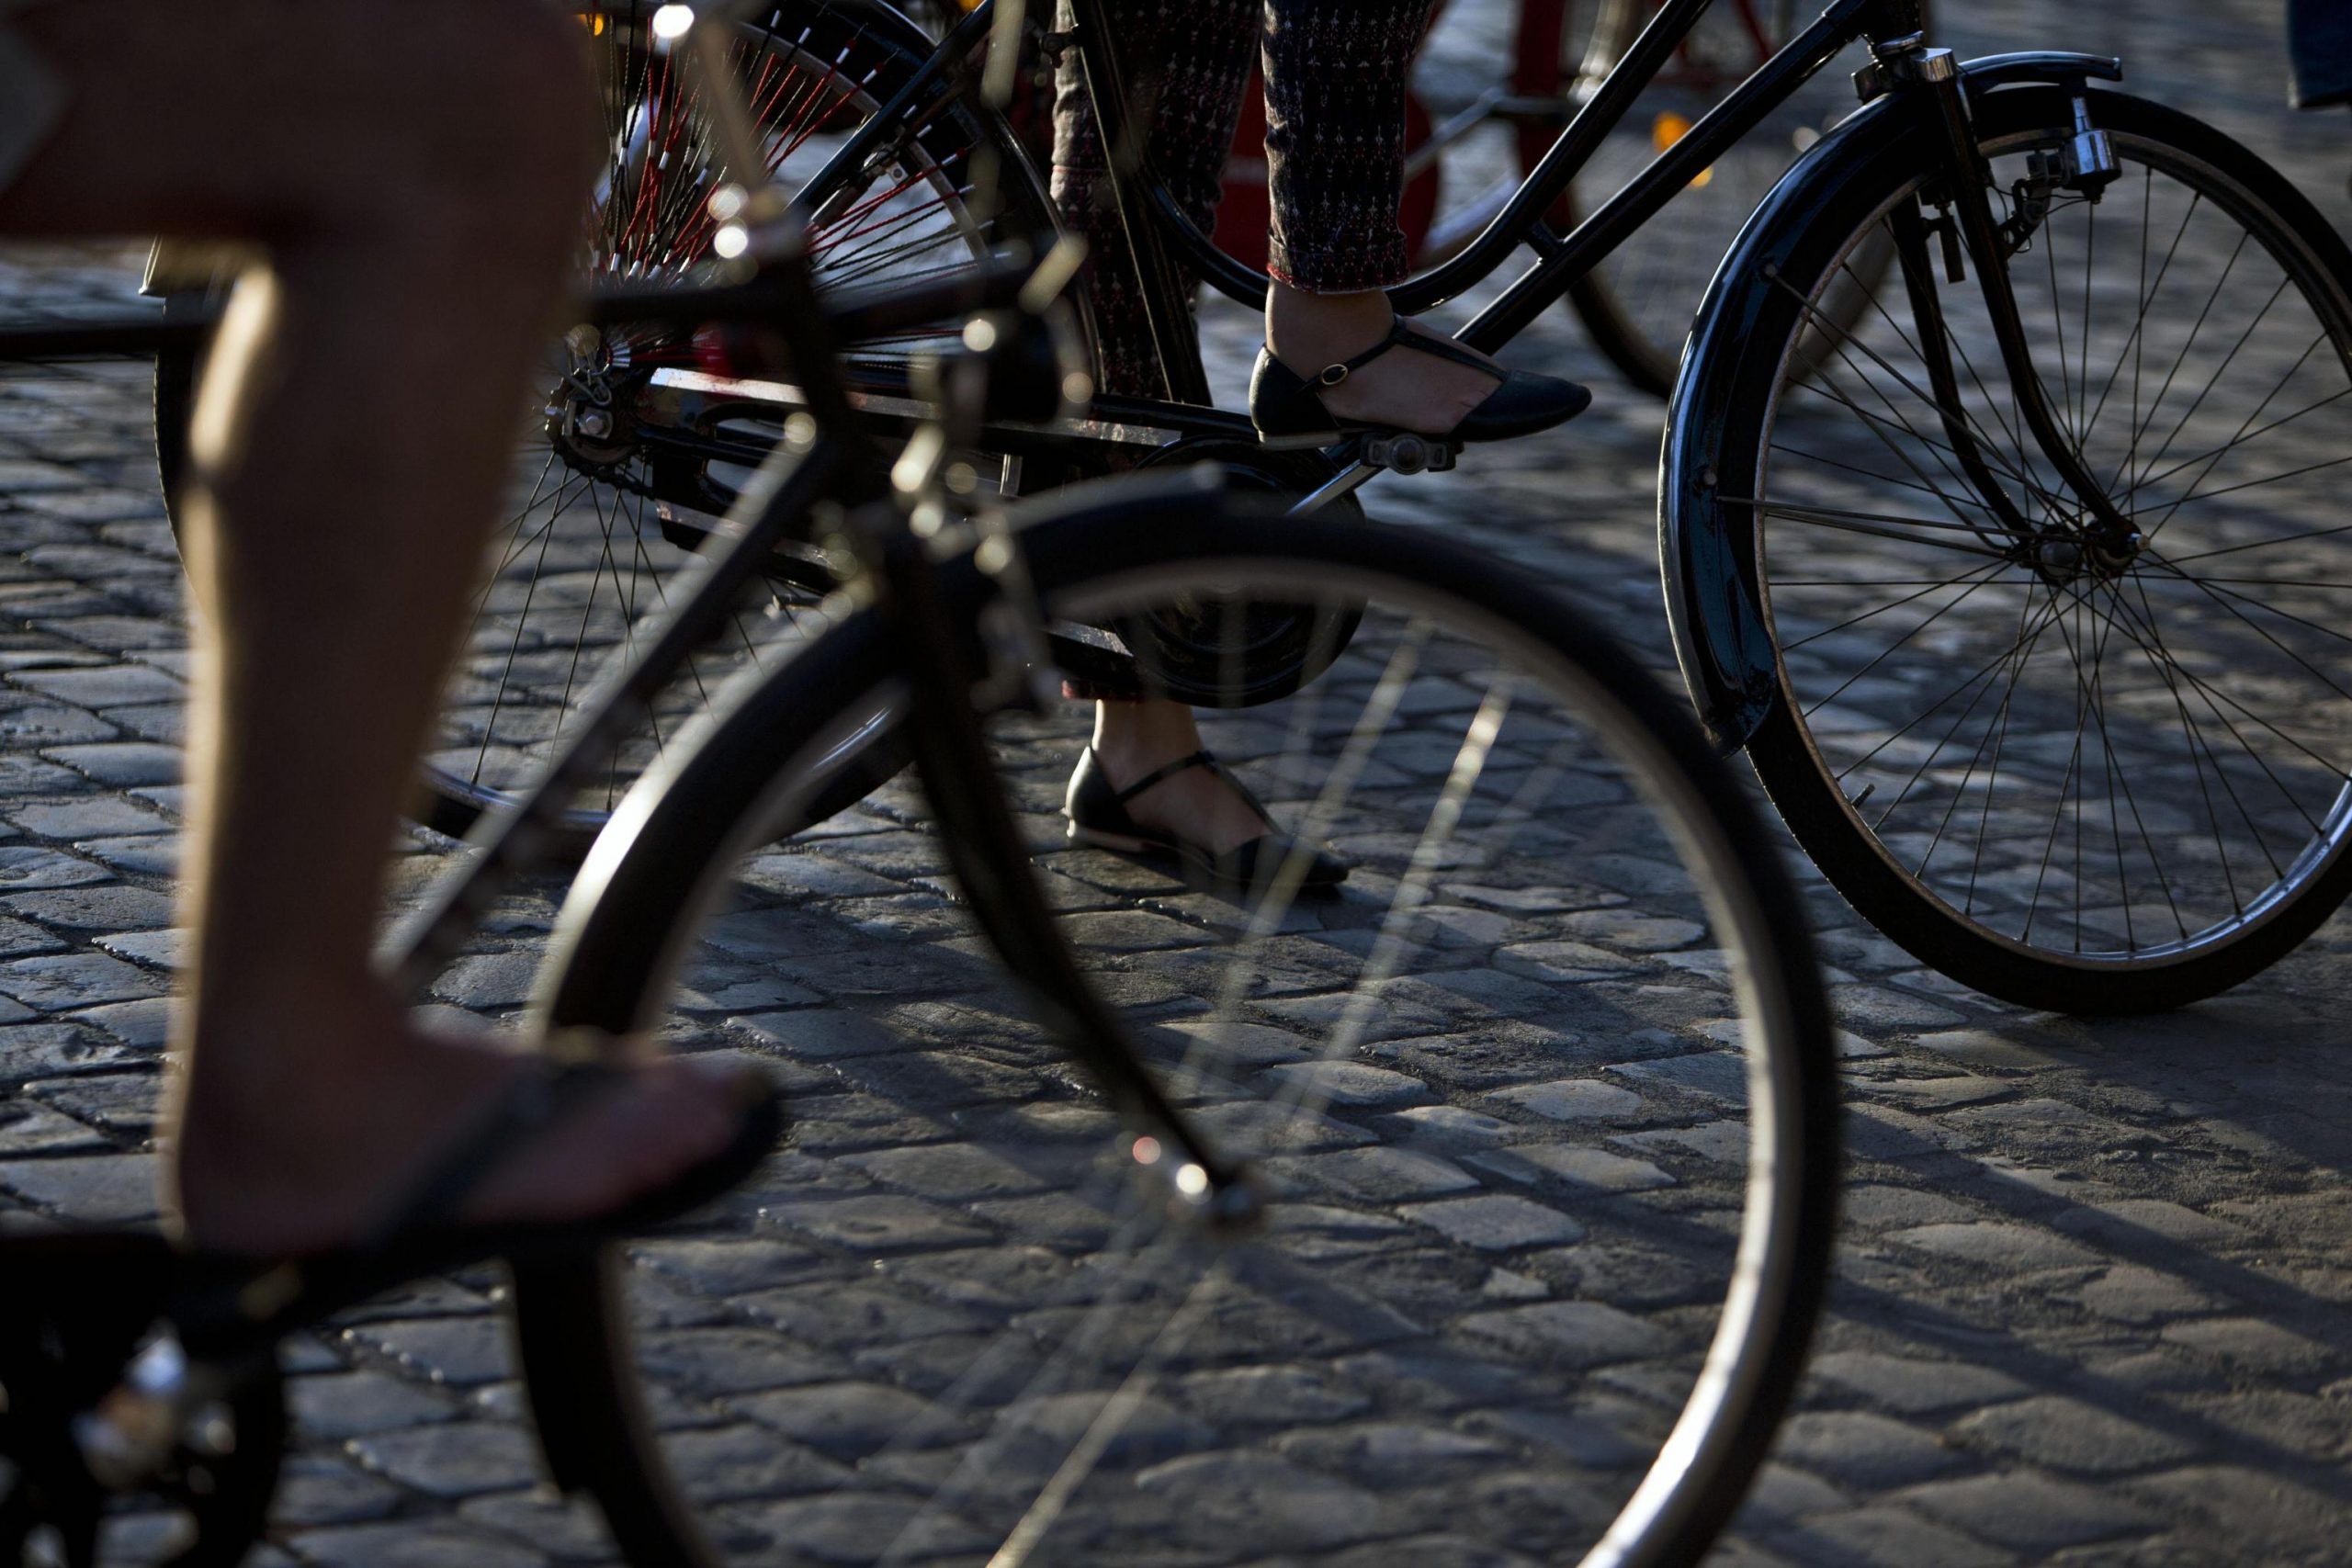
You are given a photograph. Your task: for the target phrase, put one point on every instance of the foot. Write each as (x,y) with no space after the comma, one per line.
(301,1160)
(1404,391)
(1197,805)
(1401,390)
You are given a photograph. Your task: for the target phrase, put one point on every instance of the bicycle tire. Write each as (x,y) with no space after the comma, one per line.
(642,891)
(1638,301)
(868,51)
(2172,924)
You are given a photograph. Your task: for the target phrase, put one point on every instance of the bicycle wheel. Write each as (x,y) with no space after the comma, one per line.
(2099,782)
(1542,1102)
(1638,302)
(638,445)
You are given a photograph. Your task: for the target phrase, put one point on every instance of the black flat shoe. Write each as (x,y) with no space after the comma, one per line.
(1098,815)
(1287,408)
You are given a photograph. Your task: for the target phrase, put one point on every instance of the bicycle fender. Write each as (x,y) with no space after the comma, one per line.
(1714,607)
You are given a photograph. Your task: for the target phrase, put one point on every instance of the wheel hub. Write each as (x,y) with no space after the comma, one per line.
(588,417)
(2066,553)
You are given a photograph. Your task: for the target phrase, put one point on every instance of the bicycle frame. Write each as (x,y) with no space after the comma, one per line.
(1560,262)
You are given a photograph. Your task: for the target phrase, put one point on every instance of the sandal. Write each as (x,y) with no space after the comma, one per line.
(1288,411)
(1098,815)
(416,1235)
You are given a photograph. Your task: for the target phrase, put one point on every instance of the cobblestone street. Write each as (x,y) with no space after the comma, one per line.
(2093,1302)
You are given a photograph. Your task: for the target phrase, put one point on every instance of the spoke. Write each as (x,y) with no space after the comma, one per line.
(2243,439)
(2191,739)
(2058,815)
(1370,722)
(1878,828)
(2207,583)
(1845,337)
(2140,480)
(2083,369)
(1992,404)
(1879,478)
(1821,384)
(2114,777)
(2000,731)
(2153,646)
(2176,562)
(1936,706)
(2135,346)
(1881,656)
(2214,698)
(2058,326)
(2248,621)
(1883,609)
(522,620)
(2140,431)
(1826,517)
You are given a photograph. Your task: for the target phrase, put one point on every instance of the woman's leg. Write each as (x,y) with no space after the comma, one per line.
(1192,61)
(1195,60)
(419,206)
(1336,77)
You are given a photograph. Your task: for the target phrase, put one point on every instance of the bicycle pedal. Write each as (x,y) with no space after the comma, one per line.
(1406,453)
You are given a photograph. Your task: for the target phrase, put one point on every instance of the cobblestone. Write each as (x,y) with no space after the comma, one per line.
(2067,1434)
(2092,1299)
(1855,1449)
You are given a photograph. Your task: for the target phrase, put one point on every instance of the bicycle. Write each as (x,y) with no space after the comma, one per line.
(2028,770)
(590,533)
(1489,744)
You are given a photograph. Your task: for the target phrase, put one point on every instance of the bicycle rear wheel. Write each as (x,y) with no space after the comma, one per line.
(2079,780)
(635,444)
(1543,1102)
(1639,301)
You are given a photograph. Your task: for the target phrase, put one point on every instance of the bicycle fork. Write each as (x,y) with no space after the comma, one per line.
(1966,225)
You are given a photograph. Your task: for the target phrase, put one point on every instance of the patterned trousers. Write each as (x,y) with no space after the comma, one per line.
(1336,72)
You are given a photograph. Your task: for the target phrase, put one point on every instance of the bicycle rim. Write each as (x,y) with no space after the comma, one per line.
(2095,782)
(1546,1150)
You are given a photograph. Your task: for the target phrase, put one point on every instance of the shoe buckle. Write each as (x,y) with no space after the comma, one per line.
(1333,375)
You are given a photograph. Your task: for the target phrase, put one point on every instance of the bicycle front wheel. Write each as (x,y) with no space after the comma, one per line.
(1542,1101)
(2079,779)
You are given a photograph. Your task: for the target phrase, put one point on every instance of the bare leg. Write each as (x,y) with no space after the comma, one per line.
(417,176)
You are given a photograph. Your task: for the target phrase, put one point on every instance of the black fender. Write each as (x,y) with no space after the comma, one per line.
(1706,546)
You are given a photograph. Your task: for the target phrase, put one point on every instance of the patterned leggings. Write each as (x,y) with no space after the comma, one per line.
(1336,72)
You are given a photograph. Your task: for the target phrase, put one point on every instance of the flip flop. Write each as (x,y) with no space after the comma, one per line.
(416,1234)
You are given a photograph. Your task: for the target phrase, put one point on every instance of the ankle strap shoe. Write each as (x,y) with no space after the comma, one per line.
(1287,408)
(1099,817)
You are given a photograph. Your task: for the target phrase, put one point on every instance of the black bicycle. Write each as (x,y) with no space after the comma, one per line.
(1507,1172)
(2006,559)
